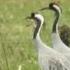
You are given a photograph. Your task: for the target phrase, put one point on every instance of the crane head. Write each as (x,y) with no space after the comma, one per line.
(36,17)
(53,6)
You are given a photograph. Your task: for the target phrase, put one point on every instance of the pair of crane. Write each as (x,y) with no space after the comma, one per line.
(58,57)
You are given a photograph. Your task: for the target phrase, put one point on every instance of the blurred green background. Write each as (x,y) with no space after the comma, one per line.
(16,43)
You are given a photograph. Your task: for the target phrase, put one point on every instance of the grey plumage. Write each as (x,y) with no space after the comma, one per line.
(48,58)
(57,43)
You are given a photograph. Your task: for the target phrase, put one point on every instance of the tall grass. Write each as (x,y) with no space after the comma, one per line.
(16,43)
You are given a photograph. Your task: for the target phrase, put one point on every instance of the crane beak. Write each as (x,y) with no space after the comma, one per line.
(45,8)
(28,17)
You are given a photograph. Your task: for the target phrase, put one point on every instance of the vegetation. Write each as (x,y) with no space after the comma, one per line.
(65,34)
(16,43)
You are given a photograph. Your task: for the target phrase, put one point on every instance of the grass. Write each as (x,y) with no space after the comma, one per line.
(16,44)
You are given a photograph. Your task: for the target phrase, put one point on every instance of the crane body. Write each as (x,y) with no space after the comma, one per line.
(57,43)
(48,58)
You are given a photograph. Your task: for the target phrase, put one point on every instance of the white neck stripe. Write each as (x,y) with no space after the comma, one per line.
(58,9)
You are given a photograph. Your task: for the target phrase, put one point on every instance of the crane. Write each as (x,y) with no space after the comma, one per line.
(56,40)
(48,58)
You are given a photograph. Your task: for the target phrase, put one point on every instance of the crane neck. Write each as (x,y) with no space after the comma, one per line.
(55,25)
(40,46)
(56,36)
(37,30)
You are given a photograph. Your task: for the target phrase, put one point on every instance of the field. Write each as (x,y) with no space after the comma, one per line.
(16,43)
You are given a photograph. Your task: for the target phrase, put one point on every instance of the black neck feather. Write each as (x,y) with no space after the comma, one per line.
(55,22)
(36,29)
